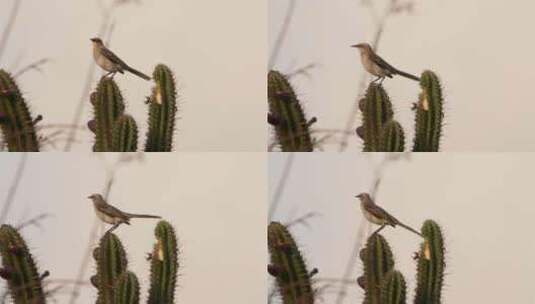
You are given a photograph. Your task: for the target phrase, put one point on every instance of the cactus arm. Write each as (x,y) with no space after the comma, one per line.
(16,123)
(108,105)
(127,289)
(287,116)
(288,266)
(162,111)
(392,138)
(111,262)
(164,265)
(378,260)
(429,114)
(124,134)
(19,269)
(431,264)
(376,110)
(393,289)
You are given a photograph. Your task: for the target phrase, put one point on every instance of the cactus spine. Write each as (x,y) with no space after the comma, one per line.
(393,288)
(378,261)
(431,265)
(376,112)
(19,269)
(162,111)
(124,134)
(16,123)
(429,114)
(392,138)
(127,289)
(164,265)
(288,267)
(111,263)
(108,105)
(286,115)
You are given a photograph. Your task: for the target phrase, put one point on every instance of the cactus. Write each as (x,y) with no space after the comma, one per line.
(288,267)
(16,123)
(162,111)
(127,289)
(108,105)
(286,115)
(393,288)
(111,262)
(429,114)
(124,134)
(376,111)
(431,264)
(164,265)
(378,261)
(19,269)
(391,138)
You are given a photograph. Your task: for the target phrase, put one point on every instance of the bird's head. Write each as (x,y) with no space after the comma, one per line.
(363,47)
(95,196)
(96,40)
(363,196)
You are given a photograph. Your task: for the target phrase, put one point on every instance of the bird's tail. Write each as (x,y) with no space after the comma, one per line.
(130,215)
(407,75)
(409,228)
(137,73)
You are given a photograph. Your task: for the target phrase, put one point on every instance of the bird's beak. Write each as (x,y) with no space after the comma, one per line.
(90,196)
(355,46)
(93,39)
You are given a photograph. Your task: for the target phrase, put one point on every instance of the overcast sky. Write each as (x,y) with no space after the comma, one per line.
(478,48)
(214,201)
(482,201)
(216,51)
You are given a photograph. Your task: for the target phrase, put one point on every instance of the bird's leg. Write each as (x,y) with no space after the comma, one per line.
(380,228)
(375,80)
(113,228)
(107,74)
(382,79)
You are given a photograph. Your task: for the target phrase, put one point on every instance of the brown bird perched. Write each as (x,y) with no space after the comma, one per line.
(108,61)
(111,215)
(378,215)
(376,66)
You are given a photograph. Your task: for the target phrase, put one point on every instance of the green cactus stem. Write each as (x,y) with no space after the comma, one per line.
(16,122)
(108,105)
(111,262)
(288,267)
(162,111)
(19,269)
(164,265)
(378,261)
(431,264)
(393,288)
(127,289)
(286,115)
(429,114)
(124,134)
(376,110)
(391,138)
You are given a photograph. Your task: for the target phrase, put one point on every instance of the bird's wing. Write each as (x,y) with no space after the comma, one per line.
(112,57)
(115,212)
(380,213)
(383,64)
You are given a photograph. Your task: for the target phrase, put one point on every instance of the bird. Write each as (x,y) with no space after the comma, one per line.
(111,215)
(378,215)
(110,62)
(376,66)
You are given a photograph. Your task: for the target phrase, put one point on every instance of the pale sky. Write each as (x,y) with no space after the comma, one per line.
(216,51)
(482,201)
(214,201)
(478,48)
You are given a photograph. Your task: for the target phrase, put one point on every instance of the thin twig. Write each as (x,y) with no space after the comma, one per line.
(9,26)
(32,66)
(281,185)
(13,188)
(33,221)
(282,34)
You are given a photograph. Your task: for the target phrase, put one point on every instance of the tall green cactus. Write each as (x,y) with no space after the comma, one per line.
(288,267)
(108,106)
(431,264)
(429,114)
(376,111)
(378,260)
(162,111)
(393,289)
(286,115)
(16,123)
(19,269)
(391,138)
(164,265)
(127,289)
(124,134)
(111,262)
